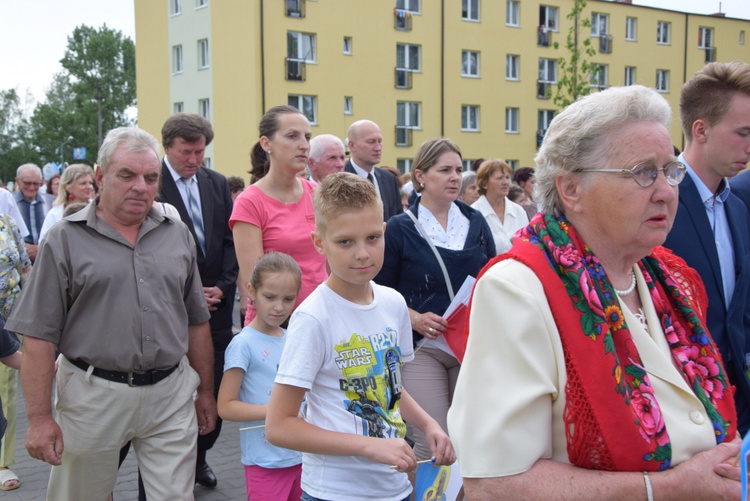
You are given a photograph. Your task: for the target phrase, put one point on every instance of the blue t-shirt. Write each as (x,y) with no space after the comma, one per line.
(258,355)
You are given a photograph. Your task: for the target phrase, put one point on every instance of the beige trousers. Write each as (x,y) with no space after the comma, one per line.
(98,417)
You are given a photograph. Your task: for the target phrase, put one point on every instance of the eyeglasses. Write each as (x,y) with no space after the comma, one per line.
(645,173)
(29,184)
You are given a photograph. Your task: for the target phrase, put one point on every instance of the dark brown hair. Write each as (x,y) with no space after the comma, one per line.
(267,127)
(188,127)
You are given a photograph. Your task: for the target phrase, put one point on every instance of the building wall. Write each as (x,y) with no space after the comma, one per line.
(248,72)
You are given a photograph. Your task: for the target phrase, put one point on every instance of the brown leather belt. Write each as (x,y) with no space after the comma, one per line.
(130,378)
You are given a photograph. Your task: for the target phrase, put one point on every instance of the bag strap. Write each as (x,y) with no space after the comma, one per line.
(435,251)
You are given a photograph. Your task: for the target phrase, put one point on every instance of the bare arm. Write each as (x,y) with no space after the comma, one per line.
(285,428)
(437,439)
(230,406)
(13,360)
(693,479)
(201,356)
(44,439)
(248,243)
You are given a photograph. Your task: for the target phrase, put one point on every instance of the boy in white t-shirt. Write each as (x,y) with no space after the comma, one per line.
(344,349)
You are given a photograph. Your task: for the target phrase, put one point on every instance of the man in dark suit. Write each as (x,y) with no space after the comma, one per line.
(204,202)
(741,187)
(366,145)
(712,228)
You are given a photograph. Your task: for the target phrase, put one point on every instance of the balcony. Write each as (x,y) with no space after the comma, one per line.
(295,69)
(402,19)
(710,54)
(403,78)
(295,8)
(403,135)
(605,44)
(543,89)
(544,37)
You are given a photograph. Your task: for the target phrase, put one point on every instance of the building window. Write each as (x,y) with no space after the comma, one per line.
(200,3)
(175,7)
(511,120)
(631,29)
(544,117)
(295,8)
(512,66)
(300,46)
(548,17)
(409,5)
(348,105)
(705,38)
(403,165)
(177,59)
(470,10)
(512,13)
(599,24)
(629,75)
(662,32)
(308,105)
(203,54)
(408,118)
(407,57)
(742,37)
(178,107)
(204,108)
(548,70)
(513,164)
(207,162)
(469,63)
(599,76)
(348,46)
(470,118)
(662,80)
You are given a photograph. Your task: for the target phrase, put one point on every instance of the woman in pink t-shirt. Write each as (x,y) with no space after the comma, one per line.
(276,213)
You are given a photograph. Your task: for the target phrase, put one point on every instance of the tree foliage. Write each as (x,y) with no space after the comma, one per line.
(15,147)
(575,70)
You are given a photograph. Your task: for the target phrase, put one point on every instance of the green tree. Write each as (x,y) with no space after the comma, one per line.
(575,71)
(15,147)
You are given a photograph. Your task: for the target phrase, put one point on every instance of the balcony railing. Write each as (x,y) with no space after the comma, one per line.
(403,135)
(402,19)
(403,78)
(295,8)
(605,44)
(710,54)
(543,89)
(544,36)
(296,69)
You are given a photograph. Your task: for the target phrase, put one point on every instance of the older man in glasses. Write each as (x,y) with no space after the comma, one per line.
(32,204)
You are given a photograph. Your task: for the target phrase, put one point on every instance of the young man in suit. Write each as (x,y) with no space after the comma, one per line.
(712,228)
(366,145)
(203,199)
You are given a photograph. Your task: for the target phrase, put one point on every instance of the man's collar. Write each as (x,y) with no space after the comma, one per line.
(174,173)
(707,196)
(359,170)
(20,197)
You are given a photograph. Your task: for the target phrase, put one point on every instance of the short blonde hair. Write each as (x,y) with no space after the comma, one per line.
(69,176)
(341,192)
(487,169)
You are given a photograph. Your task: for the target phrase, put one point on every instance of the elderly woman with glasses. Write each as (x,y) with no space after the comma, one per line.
(587,349)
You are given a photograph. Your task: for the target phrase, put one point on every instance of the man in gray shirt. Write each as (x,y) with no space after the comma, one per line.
(116,289)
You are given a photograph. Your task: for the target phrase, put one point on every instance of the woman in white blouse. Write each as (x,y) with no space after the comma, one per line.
(503,216)
(76,185)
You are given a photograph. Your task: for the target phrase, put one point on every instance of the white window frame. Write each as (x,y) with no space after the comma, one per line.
(662,81)
(631,29)
(403,164)
(742,37)
(408,114)
(178,107)
(469,118)
(348,105)
(348,46)
(175,7)
(602,81)
(200,4)
(407,56)
(705,37)
(599,24)
(204,108)
(306,46)
(204,54)
(300,101)
(412,6)
(512,67)
(513,164)
(549,17)
(470,63)
(511,120)
(663,32)
(470,10)
(630,75)
(547,66)
(512,13)
(178,65)
(543,118)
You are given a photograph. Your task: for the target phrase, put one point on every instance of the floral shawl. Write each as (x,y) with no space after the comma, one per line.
(612,418)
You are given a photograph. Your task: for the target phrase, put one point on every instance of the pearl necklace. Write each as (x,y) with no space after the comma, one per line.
(630,289)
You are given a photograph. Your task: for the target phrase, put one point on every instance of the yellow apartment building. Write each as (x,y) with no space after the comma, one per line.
(481,72)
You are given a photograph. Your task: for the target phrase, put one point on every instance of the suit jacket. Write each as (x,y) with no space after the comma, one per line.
(740,185)
(692,239)
(389,191)
(218,267)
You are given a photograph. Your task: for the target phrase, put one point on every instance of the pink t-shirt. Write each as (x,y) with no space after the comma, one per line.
(286,228)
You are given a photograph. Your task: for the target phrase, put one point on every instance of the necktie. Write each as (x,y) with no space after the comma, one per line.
(32,220)
(195,214)
(369,177)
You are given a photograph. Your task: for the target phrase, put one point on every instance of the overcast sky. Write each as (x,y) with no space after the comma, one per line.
(34,33)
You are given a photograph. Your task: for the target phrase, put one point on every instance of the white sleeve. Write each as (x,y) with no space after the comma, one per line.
(304,351)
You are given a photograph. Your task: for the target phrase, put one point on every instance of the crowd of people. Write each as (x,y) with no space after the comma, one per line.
(607,339)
